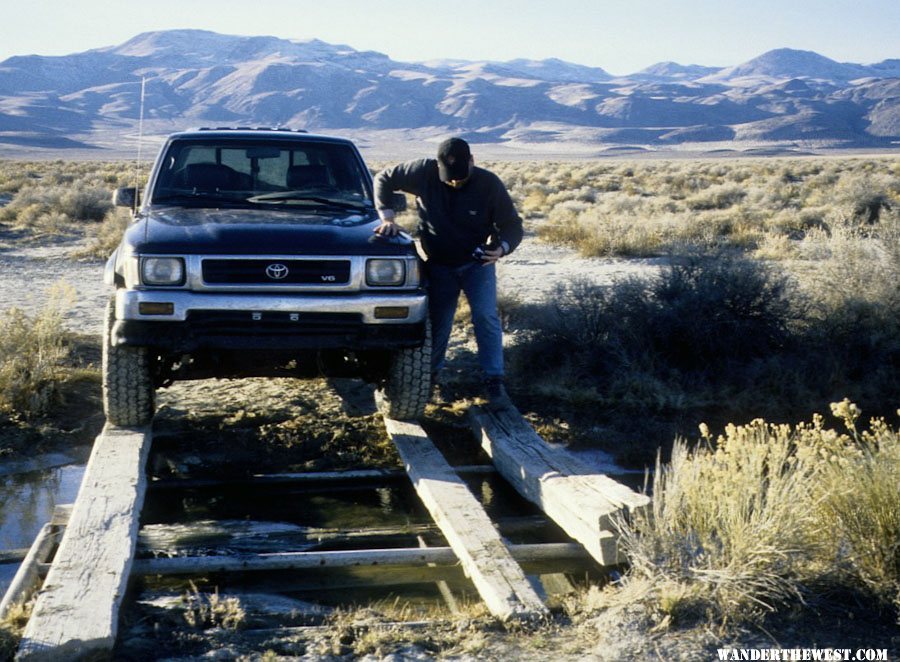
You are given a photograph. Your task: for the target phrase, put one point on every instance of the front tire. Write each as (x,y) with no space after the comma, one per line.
(129,398)
(408,385)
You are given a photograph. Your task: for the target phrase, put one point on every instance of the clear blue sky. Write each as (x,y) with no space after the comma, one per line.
(622,36)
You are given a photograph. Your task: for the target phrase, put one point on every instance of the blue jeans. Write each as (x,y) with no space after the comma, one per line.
(479,283)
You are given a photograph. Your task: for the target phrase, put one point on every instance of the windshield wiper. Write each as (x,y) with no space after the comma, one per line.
(197,196)
(296,196)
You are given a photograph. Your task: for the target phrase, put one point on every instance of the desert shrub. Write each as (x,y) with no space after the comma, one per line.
(797,223)
(720,196)
(742,204)
(854,320)
(701,315)
(58,197)
(707,309)
(862,501)
(864,197)
(716,337)
(86,204)
(32,205)
(535,201)
(32,355)
(775,247)
(596,233)
(724,519)
(766,514)
(106,236)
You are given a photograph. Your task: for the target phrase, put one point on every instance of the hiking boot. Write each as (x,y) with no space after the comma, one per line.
(495,392)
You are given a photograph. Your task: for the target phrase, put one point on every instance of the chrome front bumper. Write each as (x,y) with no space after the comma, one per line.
(364,304)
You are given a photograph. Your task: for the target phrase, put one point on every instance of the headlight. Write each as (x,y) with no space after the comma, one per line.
(162,271)
(385,272)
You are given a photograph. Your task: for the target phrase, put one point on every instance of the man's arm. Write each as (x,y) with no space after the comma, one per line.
(405,177)
(506,220)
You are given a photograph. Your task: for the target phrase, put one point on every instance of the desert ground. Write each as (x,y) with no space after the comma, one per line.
(296,422)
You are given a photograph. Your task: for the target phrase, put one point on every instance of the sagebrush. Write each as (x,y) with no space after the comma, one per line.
(768,515)
(33,353)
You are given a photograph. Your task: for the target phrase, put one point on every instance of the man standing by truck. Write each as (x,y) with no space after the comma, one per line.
(467,223)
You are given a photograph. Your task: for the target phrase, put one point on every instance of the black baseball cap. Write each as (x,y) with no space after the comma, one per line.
(453,159)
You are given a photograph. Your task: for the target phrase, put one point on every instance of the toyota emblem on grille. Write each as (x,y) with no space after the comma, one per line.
(277,271)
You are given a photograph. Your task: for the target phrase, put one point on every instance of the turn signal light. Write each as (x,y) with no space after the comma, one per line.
(391,312)
(153,308)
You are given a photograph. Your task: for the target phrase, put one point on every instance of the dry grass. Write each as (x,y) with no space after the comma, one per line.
(209,610)
(385,626)
(50,198)
(654,207)
(105,237)
(766,515)
(808,315)
(860,497)
(11,628)
(33,352)
(64,199)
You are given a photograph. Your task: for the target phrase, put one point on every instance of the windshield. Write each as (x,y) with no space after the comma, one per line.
(253,173)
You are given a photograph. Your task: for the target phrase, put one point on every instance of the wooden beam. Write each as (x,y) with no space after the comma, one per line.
(77,610)
(27,576)
(581,501)
(33,559)
(364,558)
(355,478)
(15,555)
(256,537)
(466,526)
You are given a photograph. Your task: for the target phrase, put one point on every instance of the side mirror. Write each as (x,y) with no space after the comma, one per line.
(125,197)
(398,202)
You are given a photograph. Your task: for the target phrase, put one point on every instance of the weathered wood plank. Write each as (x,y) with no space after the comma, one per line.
(15,555)
(61,514)
(76,611)
(467,528)
(355,477)
(28,574)
(209,536)
(205,536)
(371,558)
(581,501)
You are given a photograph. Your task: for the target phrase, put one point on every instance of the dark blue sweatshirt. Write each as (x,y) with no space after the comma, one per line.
(453,222)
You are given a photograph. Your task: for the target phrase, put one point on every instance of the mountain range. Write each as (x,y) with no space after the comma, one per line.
(198,78)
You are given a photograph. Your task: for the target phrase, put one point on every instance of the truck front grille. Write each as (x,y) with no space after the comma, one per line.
(276,272)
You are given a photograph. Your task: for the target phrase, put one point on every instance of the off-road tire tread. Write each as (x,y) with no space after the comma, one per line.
(408,386)
(128,391)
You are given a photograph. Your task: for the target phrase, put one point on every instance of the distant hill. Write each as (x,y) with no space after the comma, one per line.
(788,63)
(195,77)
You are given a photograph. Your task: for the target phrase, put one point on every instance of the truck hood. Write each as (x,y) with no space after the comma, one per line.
(192,231)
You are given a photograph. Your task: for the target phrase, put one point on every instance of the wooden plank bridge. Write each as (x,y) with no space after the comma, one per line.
(93,544)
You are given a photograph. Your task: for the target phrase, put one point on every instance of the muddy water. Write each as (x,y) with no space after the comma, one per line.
(27,501)
(394,504)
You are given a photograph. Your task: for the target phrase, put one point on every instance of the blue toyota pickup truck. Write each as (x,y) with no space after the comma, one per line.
(252,253)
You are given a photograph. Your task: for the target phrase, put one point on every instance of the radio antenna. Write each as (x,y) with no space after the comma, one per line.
(137,167)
